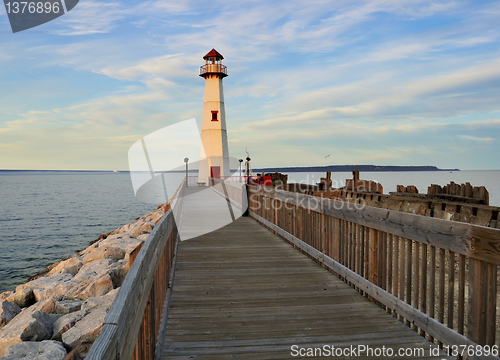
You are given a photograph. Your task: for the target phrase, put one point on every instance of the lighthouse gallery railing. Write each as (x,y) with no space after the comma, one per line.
(213,68)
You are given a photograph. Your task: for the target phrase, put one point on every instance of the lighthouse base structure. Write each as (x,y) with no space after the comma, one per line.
(213,167)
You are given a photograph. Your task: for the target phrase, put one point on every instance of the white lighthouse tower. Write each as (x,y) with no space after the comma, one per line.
(213,130)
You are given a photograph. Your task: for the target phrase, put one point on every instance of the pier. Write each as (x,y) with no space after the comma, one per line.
(242,292)
(307,272)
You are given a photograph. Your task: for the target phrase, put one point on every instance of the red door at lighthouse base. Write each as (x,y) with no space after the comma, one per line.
(215,172)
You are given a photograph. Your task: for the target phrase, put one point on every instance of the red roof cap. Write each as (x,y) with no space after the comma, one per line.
(213,53)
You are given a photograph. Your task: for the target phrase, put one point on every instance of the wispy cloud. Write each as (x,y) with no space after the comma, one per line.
(477,139)
(168,66)
(93,17)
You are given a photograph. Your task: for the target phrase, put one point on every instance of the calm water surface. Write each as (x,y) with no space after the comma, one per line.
(45,216)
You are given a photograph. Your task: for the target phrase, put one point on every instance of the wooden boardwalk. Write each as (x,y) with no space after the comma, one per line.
(242,292)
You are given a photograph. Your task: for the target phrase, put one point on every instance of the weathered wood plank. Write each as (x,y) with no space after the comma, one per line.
(477,301)
(491,300)
(441,287)
(409,277)
(402,269)
(423,283)
(432,284)
(461,294)
(166,306)
(395,288)
(451,289)
(416,278)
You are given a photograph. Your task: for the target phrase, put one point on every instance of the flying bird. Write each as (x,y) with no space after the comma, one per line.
(327,155)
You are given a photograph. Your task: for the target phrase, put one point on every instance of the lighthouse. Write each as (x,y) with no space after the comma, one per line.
(213,129)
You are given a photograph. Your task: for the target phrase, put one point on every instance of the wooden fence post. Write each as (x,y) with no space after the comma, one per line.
(373,266)
(482,302)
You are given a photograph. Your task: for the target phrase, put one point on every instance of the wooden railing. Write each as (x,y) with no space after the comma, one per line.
(136,322)
(437,276)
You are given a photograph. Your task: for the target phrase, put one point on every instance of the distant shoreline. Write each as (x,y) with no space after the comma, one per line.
(62,171)
(349,168)
(332,168)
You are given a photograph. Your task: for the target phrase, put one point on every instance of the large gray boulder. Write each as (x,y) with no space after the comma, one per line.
(29,325)
(96,278)
(125,243)
(143,237)
(140,230)
(154,216)
(85,330)
(114,247)
(68,306)
(104,301)
(50,286)
(5,295)
(130,227)
(91,271)
(8,310)
(104,252)
(48,306)
(44,350)
(23,297)
(71,266)
(66,322)
(97,287)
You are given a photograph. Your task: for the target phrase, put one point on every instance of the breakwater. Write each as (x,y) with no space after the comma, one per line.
(62,309)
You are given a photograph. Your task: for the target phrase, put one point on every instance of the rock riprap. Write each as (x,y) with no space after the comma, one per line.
(62,309)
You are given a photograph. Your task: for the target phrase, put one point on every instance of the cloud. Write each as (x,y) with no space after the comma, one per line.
(477,139)
(167,66)
(93,17)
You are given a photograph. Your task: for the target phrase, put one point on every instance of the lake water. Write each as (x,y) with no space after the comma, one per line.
(45,216)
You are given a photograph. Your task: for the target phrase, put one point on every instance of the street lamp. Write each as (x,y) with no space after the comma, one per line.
(248,169)
(186,161)
(240,160)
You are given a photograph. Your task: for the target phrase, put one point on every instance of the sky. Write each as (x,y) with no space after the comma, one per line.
(401,82)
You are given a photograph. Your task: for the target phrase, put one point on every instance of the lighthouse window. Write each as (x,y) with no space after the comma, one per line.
(214,116)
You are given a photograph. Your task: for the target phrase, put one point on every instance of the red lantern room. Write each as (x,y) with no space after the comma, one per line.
(213,66)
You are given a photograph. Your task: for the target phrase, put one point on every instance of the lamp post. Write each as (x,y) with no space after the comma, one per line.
(240,160)
(246,213)
(186,161)
(248,169)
